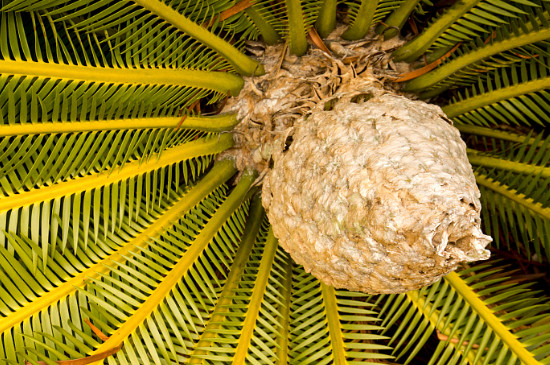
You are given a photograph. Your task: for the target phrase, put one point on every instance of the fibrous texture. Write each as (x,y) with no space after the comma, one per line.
(376,196)
(375,192)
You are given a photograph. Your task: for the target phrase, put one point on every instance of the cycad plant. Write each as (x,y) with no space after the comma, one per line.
(124,240)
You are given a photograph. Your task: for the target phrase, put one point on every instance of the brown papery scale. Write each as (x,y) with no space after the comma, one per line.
(368,189)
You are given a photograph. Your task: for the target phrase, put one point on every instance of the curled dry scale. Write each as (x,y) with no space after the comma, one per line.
(375,192)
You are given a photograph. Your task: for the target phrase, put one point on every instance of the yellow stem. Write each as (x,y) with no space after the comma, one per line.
(200,243)
(219,123)
(492,321)
(512,194)
(211,80)
(219,174)
(226,297)
(256,299)
(173,155)
(334,327)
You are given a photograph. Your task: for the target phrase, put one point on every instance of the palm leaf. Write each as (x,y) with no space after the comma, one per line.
(516,209)
(328,324)
(464,21)
(512,43)
(514,95)
(64,272)
(480,315)
(124,18)
(154,270)
(112,213)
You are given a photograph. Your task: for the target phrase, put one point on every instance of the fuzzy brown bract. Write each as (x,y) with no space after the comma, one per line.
(376,196)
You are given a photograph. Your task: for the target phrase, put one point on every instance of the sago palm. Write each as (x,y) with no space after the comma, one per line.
(124,239)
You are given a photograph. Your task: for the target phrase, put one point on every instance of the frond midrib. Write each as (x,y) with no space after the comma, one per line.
(494,96)
(222,82)
(219,173)
(513,195)
(218,123)
(491,320)
(168,157)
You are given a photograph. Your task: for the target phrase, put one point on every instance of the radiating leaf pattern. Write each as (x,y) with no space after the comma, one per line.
(514,95)
(115,210)
(482,316)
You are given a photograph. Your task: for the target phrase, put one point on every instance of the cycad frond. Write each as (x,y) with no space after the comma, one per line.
(162,272)
(144,24)
(512,95)
(522,38)
(513,176)
(99,199)
(331,324)
(64,273)
(481,315)
(463,22)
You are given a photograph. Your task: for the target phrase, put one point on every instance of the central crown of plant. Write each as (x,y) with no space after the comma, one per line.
(366,189)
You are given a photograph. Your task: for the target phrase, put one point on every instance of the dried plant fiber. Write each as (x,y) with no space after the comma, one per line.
(376,196)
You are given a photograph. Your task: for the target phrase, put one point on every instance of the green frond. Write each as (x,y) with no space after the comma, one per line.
(513,95)
(142,24)
(51,83)
(513,175)
(332,325)
(505,206)
(53,289)
(163,273)
(99,199)
(365,13)
(476,315)
(463,22)
(512,43)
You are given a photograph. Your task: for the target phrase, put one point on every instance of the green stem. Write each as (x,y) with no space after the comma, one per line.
(237,268)
(268,33)
(494,133)
(283,341)
(415,48)
(397,19)
(218,123)
(450,68)
(491,97)
(326,20)
(297,42)
(490,319)
(218,81)
(253,311)
(220,173)
(334,327)
(242,63)
(519,167)
(362,22)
